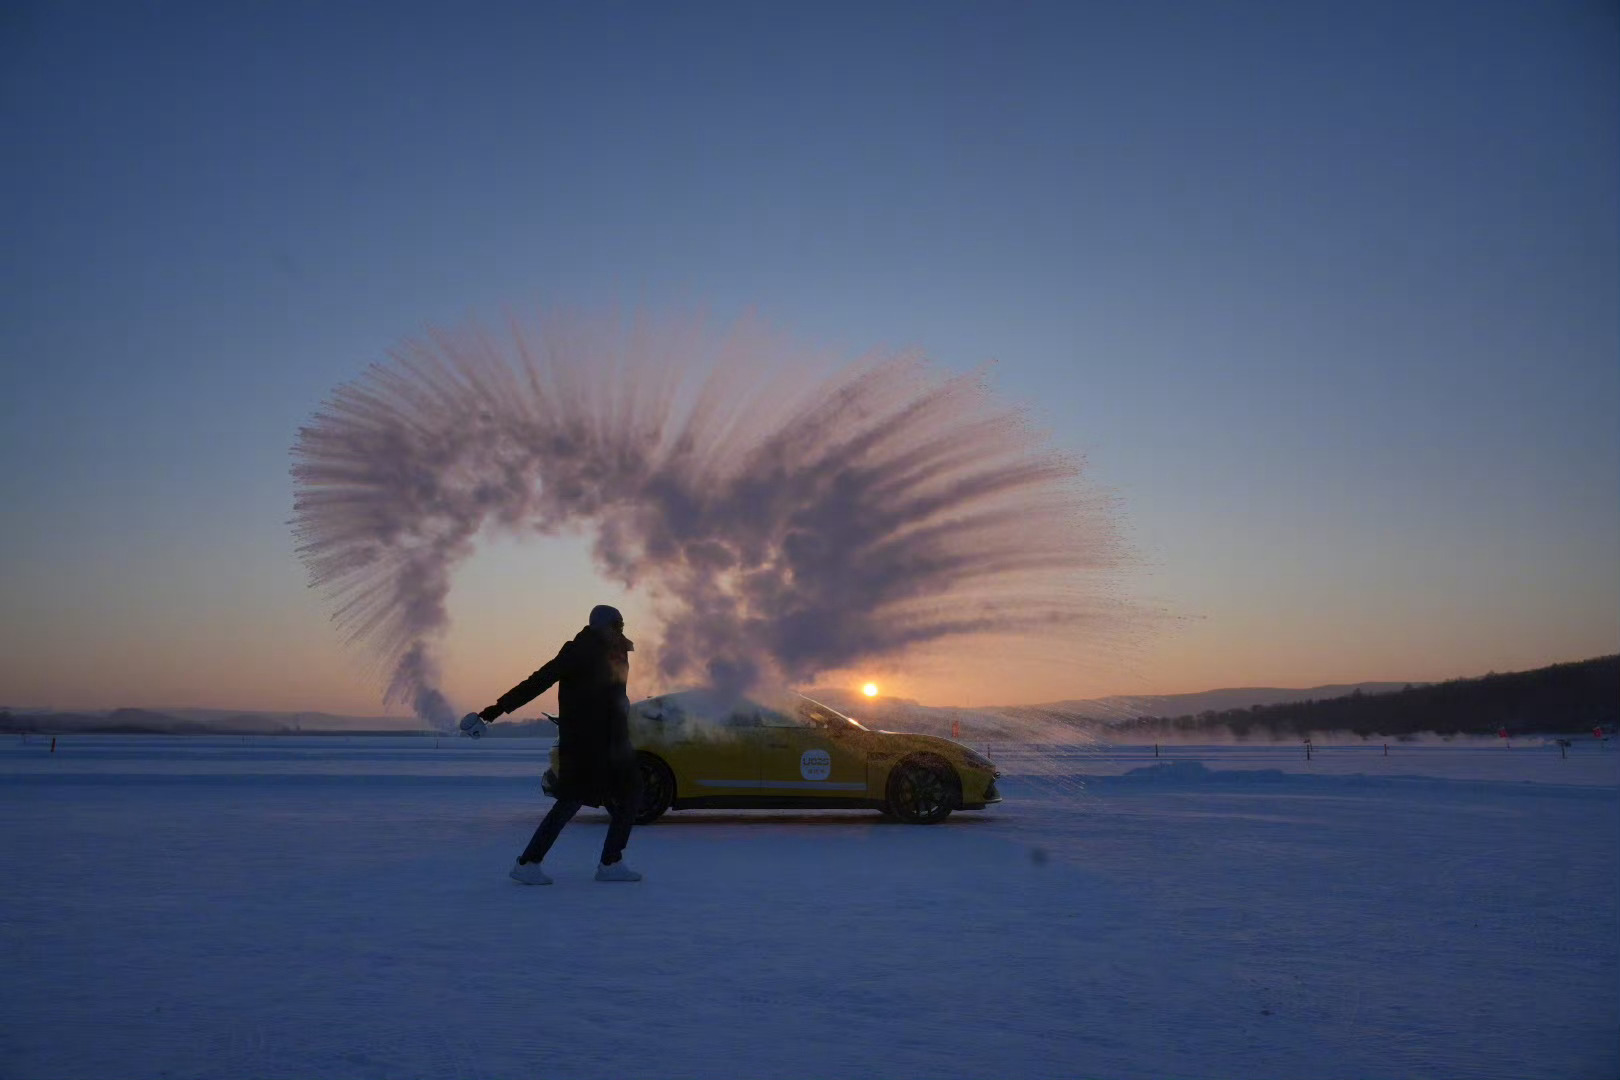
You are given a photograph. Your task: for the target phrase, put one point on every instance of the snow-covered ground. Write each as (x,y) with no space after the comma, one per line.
(197,907)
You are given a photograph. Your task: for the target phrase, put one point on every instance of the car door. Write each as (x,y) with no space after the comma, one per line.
(717,760)
(799,757)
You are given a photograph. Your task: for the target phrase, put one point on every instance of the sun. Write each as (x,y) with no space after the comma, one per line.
(870,689)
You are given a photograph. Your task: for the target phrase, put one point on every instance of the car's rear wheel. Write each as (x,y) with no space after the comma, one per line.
(923,791)
(657,788)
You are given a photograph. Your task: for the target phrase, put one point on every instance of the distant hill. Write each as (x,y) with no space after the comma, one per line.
(1562,698)
(1062,719)
(1556,700)
(1123,709)
(198,722)
(235,722)
(308,723)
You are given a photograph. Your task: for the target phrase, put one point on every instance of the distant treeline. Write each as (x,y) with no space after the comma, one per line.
(122,722)
(1557,700)
(147,722)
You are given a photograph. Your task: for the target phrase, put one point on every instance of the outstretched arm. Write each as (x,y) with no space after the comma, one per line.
(535,685)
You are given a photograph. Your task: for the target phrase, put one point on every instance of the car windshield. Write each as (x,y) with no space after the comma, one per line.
(791,711)
(823,717)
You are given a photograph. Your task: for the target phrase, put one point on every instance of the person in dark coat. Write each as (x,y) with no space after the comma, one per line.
(596,765)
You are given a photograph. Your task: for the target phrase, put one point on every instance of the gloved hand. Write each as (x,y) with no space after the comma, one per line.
(488,715)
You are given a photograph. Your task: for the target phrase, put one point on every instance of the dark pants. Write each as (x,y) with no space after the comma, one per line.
(621,808)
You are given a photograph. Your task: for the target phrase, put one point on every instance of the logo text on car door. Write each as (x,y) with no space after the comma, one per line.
(815,764)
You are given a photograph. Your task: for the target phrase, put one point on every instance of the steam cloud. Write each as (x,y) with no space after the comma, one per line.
(784,526)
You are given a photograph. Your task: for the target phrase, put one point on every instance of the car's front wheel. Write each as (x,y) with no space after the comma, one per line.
(922,791)
(657,788)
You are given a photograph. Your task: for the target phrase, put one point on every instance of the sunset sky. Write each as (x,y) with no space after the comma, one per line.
(1327,294)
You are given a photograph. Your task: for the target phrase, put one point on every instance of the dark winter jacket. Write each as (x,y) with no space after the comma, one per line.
(593,714)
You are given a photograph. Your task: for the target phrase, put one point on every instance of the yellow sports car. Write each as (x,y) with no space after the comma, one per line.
(696,752)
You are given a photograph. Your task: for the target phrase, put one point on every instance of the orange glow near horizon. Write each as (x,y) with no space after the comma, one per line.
(870,689)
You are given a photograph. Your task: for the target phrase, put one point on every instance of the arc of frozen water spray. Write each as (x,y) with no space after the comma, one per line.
(782,529)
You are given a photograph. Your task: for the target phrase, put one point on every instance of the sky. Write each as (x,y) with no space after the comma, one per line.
(1327,295)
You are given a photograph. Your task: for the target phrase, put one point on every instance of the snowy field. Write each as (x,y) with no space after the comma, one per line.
(300,907)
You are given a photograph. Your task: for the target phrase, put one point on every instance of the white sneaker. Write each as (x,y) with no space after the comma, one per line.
(617,872)
(529,874)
